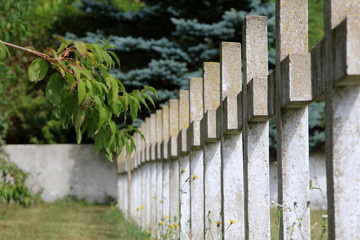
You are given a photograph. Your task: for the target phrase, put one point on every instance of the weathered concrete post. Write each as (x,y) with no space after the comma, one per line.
(174,161)
(143,178)
(153,169)
(231,141)
(196,159)
(212,149)
(293,93)
(139,178)
(126,187)
(342,69)
(122,181)
(166,162)
(136,176)
(129,188)
(256,128)
(147,174)
(184,162)
(159,165)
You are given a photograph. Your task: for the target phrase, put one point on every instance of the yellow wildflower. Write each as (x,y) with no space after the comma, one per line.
(172,226)
(195,177)
(176,225)
(142,207)
(218,223)
(182,171)
(161,222)
(137,209)
(148,231)
(232,221)
(166,217)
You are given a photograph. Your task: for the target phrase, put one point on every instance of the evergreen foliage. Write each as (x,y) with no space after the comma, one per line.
(165,43)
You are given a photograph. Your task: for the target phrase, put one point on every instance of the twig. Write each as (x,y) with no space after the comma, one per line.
(39,54)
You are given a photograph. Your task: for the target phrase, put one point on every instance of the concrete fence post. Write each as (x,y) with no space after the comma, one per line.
(197,226)
(122,183)
(143,178)
(153,169)
(184,167)
(256,128)
(166,161)
(138,179)
(342,98)
(231,141)
(174,161)
(293,94)
(212,149)
(129,188)
(147,174)
(159,165)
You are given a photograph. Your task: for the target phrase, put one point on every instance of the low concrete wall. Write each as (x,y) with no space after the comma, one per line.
(59,170)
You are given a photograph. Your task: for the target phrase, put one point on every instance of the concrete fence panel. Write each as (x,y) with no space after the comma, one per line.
(206,161)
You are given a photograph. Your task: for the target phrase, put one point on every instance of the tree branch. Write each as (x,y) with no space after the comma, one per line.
(39,54)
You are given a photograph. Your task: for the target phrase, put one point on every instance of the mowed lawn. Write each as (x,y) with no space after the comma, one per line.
(65,220)
(80,221)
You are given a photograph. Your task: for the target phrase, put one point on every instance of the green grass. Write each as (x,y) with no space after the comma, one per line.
(315,221)
(81,221)
(65,220)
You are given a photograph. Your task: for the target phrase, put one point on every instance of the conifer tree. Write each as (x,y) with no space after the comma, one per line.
(165,43)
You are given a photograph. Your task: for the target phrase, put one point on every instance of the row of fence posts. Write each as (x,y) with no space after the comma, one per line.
(205,162)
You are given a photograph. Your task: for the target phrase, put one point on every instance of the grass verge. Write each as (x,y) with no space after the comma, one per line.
(65,220)
(82,221)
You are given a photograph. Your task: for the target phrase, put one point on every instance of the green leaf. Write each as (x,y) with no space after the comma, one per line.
(126,100)
(127,146)
(76,71)
(108,60)
(81,47)
(3,196)
(64,43)
(101,139)
(144,95)
(153,90)
(92,124)
(118,107)
(121,86)
(78,135)
(138,131)
(61,39)
(80,118)
(134,106)
(99,51)
(109,155)
(90,87)
(142,100)
(115,57)
(37,70)
(113,129)
(54,88)
(88,74)
(4,51)
(81,91)
(114,90)
(102,116)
